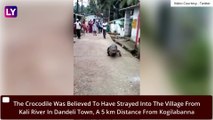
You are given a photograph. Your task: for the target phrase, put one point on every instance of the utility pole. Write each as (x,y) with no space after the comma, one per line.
(77,6)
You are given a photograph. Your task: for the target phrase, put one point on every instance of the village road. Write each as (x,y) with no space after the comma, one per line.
(95,73)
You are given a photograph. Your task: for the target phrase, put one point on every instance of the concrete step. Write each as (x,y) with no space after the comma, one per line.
(127,44)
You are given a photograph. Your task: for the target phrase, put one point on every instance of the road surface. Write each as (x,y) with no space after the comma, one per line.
(95,73)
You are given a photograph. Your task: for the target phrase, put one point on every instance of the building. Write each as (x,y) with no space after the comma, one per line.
(90,17)
(78,16)
(129,26)
(132,23)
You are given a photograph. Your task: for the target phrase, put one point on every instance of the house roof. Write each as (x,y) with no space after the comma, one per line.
(115,20)
(78,14)
(130,7)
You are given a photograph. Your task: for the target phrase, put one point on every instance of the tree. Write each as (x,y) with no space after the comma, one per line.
(126,3)
(106,5)
(93,7)
(113,6)
(76,7)
(82,9)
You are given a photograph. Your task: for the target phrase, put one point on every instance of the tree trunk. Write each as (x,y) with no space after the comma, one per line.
(77,6)
(109,14)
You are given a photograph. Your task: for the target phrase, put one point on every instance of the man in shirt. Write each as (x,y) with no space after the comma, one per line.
(104,28)
(78,28)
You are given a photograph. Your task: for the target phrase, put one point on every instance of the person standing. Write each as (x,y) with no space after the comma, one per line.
(94,27)
(90,26)
(99,27)
(104,28)
(78,28)
(84,26)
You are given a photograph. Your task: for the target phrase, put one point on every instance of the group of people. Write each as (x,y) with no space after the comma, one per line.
(93,26)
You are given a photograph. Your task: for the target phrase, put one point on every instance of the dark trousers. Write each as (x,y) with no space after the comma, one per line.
(78,33)
(100,30)
(104,33)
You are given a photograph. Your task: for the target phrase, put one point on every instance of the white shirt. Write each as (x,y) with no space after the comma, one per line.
(78,25)
(94,27)
(105,26)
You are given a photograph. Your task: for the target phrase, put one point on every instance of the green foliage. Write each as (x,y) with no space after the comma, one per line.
(126,3)
(93,7)
(75,7)
(82,9)
(122,3)
(106,6)
(193,73)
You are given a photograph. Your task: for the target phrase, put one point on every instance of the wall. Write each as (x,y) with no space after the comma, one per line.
(126,30)
(118,26)
(127,23)
(134,23)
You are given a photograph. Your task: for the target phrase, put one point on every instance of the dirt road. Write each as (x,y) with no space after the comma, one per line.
(95,73)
